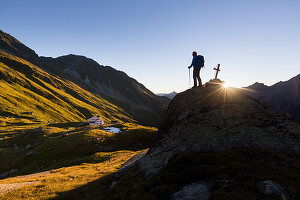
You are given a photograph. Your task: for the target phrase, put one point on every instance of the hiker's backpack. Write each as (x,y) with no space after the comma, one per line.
(201,61)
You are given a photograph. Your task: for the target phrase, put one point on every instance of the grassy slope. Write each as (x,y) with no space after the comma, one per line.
(56,147)
(79,152)
(65,146)
(26,88)
(60,182)
(241,167)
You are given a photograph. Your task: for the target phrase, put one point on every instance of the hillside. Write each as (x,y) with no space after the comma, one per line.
(59,158)
(217,143)
(218,119)
(113,85)
(283,96)
(29,92)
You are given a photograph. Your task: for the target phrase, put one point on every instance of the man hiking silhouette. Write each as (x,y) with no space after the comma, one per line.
(197,63)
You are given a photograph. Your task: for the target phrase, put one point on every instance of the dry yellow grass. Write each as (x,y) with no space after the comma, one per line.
(66,179)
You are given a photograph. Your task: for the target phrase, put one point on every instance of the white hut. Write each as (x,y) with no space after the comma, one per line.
(96,120)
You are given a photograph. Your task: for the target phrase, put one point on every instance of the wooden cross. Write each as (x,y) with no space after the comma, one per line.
(217,71)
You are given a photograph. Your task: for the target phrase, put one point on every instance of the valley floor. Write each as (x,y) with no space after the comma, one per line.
(65,160)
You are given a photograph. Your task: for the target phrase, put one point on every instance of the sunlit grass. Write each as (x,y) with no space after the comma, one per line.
(68,178)
(64,145)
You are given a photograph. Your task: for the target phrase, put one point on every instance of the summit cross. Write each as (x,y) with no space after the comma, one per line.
(217,71)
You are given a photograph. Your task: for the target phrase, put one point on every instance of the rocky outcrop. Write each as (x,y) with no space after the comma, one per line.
(272,188)
(218,119)
(195,191)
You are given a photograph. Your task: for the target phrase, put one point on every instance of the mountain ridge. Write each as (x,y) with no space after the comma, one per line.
(283,96)
(170,95)
(113,85)
(27,88)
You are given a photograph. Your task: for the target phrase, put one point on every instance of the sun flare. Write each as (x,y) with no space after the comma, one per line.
(225,85)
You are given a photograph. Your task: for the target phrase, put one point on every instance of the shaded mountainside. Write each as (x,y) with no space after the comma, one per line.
(218,119)
(113,85)
(29,92)
(12,46)
(282,96)
(116,85)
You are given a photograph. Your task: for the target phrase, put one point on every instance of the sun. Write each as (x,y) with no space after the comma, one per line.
(225,85)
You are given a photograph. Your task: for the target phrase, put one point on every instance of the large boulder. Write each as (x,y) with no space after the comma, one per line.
(218,119)
(272,188)
(195,191)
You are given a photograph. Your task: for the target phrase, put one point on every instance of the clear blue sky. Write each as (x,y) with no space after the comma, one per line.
(152,40)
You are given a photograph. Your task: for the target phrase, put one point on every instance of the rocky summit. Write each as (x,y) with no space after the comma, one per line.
(219,119)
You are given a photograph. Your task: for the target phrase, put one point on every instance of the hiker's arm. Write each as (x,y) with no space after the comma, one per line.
(193,62)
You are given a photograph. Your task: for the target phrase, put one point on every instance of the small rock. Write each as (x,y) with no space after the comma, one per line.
(272,188)
(112,185)
(12,171)
(16,148)
(195,191)
(28,146)
(65,135)
(4,174)
(30,153)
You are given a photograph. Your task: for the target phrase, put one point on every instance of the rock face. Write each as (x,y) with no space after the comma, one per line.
(217,119)
(272,188)
(195,191)
(283,96)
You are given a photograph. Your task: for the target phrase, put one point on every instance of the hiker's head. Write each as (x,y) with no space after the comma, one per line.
(194,53)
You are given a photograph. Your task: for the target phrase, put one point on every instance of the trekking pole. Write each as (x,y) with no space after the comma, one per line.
(189,77)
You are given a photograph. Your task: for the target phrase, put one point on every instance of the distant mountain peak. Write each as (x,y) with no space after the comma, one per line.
(170,95)
(11,45)
(257,85)
(282,96)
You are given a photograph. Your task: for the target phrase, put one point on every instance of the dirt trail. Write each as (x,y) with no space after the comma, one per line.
(35,174)
(6,187)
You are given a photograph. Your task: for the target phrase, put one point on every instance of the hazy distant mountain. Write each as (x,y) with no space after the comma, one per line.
(111,84)
(283,96)
(169,95)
